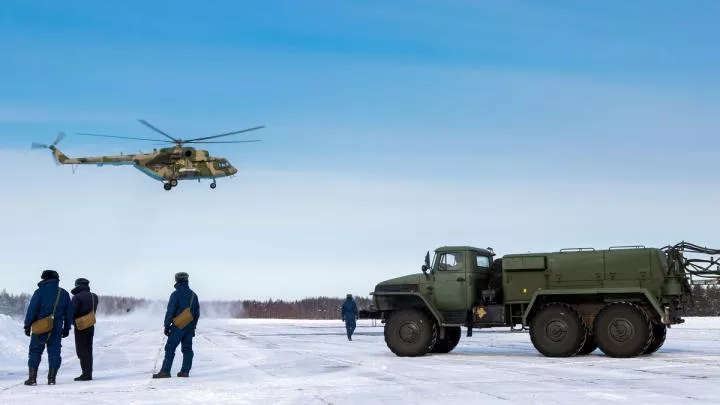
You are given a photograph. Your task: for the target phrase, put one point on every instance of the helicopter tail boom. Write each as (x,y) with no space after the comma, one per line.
(61,158)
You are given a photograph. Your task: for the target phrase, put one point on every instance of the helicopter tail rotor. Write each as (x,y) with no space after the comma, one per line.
(57,155)
(59,138)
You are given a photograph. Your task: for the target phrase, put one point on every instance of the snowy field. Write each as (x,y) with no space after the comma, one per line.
(311,362)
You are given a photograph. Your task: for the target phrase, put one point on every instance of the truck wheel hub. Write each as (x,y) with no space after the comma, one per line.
(621,330)
(556,330)
(409,332)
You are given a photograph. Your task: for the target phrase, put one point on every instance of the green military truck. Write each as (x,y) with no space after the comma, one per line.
(573,301)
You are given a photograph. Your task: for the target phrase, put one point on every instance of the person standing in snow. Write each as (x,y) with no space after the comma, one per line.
(349,314)
(49,318)
(183,313)
(84,302)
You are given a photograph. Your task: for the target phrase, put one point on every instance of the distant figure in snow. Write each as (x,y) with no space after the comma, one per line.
(49,317)
(349,314)
(84,305)
(183,312)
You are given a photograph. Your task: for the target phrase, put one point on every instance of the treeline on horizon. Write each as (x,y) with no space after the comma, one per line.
(15,305)
(706,303)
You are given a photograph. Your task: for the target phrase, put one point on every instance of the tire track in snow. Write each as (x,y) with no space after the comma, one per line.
(252,364)
(236,355)
(379,374)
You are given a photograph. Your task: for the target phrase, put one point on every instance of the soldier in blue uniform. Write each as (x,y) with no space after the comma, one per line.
(183,297)
(48,299)
(349,313)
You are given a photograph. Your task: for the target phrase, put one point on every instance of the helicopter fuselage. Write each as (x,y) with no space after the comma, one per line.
(168,165)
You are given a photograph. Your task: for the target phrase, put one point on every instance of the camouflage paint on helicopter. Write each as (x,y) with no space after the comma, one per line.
(168,165)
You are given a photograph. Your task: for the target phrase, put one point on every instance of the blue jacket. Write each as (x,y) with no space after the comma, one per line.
(41,305)
(349,310)
(179,300)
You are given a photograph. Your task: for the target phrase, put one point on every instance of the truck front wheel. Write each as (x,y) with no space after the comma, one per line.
(452,338)
(558,331)
(410,333)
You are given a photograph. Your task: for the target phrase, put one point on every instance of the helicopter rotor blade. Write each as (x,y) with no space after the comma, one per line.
(36,145)
(123,137)
(59,138)
(147,124)
(249,140)
(226,134)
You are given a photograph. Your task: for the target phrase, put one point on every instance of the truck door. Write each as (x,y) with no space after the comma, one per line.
(451,286)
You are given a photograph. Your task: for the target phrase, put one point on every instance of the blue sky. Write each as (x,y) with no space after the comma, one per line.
(391,129)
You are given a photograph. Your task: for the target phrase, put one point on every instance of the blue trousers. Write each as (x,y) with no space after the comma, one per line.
(350,327)
(184,339)
(37,347)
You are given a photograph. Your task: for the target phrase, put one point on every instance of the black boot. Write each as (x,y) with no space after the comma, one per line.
(32,377)
(162,374)
(51,376)
(183,374)
(84,377)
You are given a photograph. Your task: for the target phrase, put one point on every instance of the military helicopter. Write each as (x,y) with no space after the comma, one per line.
(168,165)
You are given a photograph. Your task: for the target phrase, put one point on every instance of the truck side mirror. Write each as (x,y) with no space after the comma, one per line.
(424,270)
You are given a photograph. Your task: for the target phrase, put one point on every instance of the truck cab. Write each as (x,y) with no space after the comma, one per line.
(458,279)
(446,295)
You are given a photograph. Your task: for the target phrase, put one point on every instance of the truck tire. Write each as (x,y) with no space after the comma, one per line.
(558,330)
(622,330)
(659,333)
(452,338)
(410,333)
(589,346)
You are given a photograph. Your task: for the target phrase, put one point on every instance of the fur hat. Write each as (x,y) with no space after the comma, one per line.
(81,281)
(181,276)
(49,274)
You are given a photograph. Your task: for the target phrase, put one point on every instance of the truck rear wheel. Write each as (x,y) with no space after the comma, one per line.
(558,330)
(659,333)
(452,338)
(589,346)
(410,333)
(622,329)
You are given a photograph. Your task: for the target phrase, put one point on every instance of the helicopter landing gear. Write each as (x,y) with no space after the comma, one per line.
(170,184)
(213,184)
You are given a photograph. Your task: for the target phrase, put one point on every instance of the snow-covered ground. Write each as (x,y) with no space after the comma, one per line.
(311,362)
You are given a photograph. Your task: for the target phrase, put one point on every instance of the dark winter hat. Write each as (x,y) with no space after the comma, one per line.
(349,296)
(181,276)
(81,281)
(49,274)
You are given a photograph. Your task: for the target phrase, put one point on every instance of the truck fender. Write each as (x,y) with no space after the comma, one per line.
(425,302)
